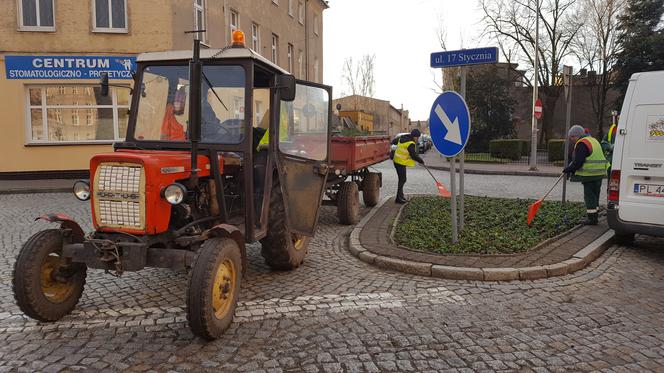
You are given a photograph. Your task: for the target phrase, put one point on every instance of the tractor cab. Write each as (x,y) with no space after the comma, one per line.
(223,148)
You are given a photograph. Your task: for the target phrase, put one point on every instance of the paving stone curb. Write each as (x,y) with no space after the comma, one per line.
(35,191)
(578,261)
(502,172)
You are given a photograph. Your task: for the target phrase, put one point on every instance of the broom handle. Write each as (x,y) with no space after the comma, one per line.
(553,187)
(429,171)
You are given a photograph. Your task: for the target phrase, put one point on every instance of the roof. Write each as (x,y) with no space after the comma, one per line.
(207,54)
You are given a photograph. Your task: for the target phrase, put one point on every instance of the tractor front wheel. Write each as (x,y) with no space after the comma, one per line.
(214,287)
(46,286)
(282,249)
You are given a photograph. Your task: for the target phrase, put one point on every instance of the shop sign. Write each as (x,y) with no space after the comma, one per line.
(69,67)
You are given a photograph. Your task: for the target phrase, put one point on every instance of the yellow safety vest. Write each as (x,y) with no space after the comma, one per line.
(595,164)
(283,129)
(402,156)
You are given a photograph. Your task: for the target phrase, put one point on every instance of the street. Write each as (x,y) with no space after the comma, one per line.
(336,313)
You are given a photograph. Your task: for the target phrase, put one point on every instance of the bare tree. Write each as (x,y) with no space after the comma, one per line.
(359,77)
(512,24)
(596,48)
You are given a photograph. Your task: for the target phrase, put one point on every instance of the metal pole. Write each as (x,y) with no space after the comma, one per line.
(455,232)
(567,73)
(464,73)
(533,145)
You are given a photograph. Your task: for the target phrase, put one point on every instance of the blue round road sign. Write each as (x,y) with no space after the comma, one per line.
(449,123)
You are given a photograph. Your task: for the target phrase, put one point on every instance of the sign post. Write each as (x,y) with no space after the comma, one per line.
(463,58)
(567,77)
(449,125)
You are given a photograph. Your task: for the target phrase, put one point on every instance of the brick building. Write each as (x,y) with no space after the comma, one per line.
(53,51)
(386,118)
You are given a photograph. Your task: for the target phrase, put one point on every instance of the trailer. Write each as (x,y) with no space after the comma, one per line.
(349,174)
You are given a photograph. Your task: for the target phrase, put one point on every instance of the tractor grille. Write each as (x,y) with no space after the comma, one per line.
(120,198)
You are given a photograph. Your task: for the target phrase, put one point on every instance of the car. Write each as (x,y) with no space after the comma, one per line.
(636,183)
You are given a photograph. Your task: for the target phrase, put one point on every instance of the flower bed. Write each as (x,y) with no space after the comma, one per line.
(492,225)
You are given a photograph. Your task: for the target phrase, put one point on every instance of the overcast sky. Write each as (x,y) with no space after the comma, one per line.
(402,35)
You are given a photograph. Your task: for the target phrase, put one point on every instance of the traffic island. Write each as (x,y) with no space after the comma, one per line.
(555,254)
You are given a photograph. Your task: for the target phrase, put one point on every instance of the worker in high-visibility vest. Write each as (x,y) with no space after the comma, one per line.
(607,144)
(405,155)
(589,167)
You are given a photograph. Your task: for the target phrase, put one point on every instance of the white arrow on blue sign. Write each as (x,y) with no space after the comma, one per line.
(449,123)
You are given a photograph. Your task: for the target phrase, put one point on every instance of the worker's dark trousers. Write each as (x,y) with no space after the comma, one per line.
(401,173)
(591,191)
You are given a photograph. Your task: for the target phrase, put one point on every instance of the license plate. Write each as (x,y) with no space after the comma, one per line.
(650,190)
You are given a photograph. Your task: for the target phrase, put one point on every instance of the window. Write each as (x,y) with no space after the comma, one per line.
(235,21)
(56,118)
(307,123)
(300,64)
(300,12)
(290,58)
(255,38)
(275,48)
(110,15)
(36,15)
(316,24)
(290,7)
(163,115)
(200,18)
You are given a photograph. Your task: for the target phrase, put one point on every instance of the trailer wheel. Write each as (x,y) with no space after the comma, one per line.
(348,203)
(282,250)
(214,287)
(371,189)
(45,286)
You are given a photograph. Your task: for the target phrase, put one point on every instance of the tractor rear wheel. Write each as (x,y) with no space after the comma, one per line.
(214,287)
(47,287)
(282,249)
(371,189)
(348,203)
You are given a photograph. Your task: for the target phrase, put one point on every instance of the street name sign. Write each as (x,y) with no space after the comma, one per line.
(449,123)
(464,57)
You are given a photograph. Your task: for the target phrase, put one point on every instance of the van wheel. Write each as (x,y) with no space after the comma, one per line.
(282,249)
(46,286)
(624,238)
(348,203)
(214,287)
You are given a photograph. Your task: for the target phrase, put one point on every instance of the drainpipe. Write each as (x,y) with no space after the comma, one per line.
(306,41)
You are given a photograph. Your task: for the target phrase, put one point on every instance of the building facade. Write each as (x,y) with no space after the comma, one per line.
(386,118)
(52,53)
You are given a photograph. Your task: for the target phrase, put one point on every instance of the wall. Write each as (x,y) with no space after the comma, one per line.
(582,111)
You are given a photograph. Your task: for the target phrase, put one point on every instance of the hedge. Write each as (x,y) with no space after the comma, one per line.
(509,148)
(556,150)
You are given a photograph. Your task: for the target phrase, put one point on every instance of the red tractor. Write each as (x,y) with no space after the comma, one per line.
(223,148)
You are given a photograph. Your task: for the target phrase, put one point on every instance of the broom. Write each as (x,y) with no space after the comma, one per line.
(441,188)
(532,209)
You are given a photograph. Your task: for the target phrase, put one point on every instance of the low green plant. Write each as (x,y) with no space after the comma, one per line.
(492,225)
(507,148)
(556,149)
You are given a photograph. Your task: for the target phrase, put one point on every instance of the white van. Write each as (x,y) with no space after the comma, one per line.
(636,183)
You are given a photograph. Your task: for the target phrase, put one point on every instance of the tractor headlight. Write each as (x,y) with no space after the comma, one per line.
(82,190)
(174,193)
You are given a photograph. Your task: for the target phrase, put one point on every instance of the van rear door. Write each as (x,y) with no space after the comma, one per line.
(642,163)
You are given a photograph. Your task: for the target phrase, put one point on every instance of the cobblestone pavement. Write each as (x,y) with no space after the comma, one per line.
(336,313)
